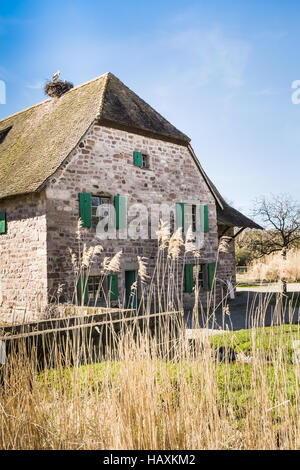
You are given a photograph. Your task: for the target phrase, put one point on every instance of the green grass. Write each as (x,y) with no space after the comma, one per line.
(270,340)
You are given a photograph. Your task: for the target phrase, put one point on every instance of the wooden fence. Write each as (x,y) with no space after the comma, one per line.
(87,338)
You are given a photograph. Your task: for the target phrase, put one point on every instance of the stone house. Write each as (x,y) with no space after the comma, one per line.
(98,144)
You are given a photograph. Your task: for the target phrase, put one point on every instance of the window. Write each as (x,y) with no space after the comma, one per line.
(187,215)
(95,290)
(96,202)
(196,275)
(194,217)
(145,161)
(190,216)
(141,159)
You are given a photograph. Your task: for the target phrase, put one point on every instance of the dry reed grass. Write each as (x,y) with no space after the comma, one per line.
(275,268)
(144,400)
(154,398)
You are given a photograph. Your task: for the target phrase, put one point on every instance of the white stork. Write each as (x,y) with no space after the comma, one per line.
(56,76)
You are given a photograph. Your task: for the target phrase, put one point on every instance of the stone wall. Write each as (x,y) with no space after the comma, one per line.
(23,258)
(103,163)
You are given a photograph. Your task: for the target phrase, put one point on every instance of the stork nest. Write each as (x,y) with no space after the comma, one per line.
(57,88)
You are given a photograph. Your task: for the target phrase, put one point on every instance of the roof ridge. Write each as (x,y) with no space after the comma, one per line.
(107,77)
(86,83)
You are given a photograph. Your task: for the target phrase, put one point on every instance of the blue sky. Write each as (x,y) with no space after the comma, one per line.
(220,71)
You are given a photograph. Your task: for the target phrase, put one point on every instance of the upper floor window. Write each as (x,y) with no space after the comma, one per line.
(141,159)
(186,216)
(96,202)
(145,161)
(89,205)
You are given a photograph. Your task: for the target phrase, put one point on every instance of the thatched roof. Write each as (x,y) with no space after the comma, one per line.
(36,141)
(232,217)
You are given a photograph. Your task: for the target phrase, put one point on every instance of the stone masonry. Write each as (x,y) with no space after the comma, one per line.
(103,163)
(23,258)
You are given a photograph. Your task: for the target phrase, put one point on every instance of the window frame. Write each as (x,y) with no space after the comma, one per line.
(145,161)
(101,299)
(95,218)
(204,284)
(189,216)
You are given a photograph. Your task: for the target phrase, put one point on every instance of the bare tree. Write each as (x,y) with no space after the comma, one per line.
(280,216)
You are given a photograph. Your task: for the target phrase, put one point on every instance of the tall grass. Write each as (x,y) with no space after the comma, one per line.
(147,399)
(158,391)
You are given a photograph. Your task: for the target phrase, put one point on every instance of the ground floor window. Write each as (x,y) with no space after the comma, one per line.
(96,291)
(196,275)
(199,275)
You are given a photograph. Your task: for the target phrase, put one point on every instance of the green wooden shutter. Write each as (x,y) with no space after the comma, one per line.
(211,275)
(204,218)
(113,286)
(180,215)
(85,209)
(189,277)
(137,158)
(120,208)
(2,222)
(82,285)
